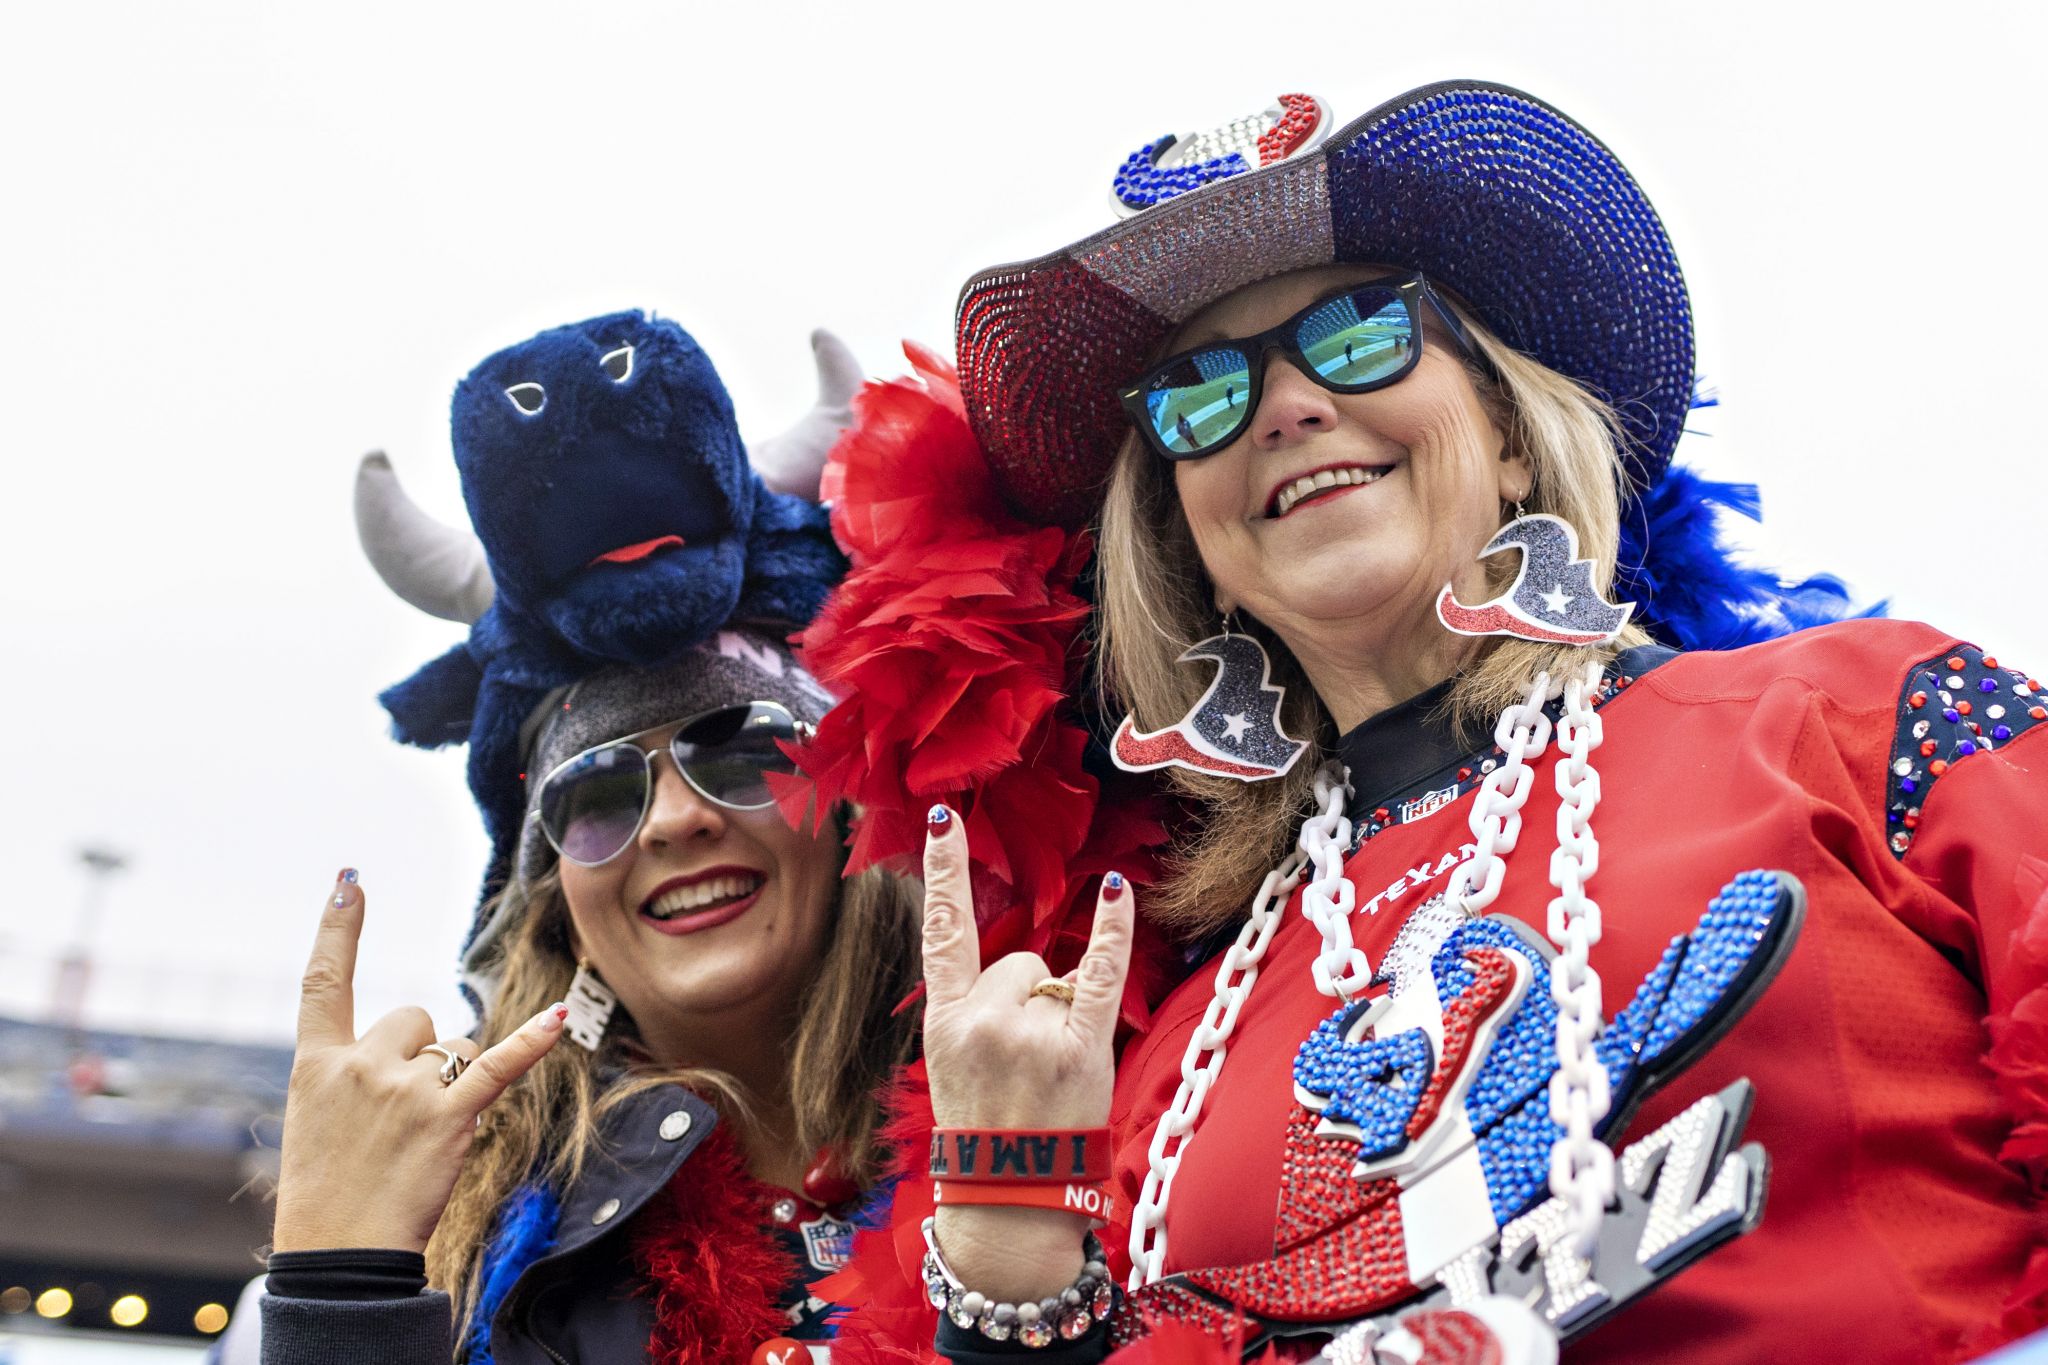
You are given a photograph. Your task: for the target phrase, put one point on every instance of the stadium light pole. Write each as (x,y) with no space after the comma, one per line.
(74,968)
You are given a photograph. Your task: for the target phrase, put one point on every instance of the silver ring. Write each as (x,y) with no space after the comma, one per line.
(453,1064)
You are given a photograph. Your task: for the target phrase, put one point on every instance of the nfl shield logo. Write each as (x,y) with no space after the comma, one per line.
(1429,803)
(828,1243)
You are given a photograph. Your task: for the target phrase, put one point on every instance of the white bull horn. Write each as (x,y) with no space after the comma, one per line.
(437,568)
(792,461)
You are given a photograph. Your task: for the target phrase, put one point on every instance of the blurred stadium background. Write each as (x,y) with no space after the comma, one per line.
(135,1167)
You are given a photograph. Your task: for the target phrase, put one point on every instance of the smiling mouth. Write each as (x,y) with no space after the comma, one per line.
(632,554)
(709,894)
(1322,482)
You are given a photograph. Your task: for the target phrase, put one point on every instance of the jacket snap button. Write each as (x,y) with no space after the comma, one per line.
(675,1125)
(605,1211)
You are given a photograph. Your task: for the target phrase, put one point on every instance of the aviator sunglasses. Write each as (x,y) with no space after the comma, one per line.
(1361,338)
(591,806)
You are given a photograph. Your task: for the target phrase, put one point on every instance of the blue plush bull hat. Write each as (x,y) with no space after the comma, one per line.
(619,523)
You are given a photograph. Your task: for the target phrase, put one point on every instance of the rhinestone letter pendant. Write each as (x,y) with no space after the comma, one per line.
(590,1004)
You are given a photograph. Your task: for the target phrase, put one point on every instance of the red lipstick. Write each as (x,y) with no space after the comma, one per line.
(711,916)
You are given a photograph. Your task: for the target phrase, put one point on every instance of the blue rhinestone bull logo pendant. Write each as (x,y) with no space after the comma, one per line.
(1170,166)
(1417,1169)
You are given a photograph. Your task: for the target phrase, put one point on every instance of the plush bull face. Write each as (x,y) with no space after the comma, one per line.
(605,476)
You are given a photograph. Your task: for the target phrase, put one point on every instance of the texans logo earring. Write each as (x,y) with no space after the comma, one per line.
(1233,731)
(1551,601)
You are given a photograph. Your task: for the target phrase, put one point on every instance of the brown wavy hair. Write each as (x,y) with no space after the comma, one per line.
(847,1042)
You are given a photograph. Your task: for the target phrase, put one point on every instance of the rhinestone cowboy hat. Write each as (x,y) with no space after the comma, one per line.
(1504,201)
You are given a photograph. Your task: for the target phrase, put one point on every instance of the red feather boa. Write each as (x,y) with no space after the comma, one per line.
(887,1319)
(2019,1060)
(955,641)
(703,1248)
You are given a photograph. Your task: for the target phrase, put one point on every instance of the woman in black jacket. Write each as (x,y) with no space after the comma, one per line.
(715,1135)
(668,1182)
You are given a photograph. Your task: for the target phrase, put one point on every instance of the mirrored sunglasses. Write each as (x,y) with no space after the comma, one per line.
(591,806)
(1362,338)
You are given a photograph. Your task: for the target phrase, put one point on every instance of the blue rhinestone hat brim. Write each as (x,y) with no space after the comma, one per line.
(1503,200)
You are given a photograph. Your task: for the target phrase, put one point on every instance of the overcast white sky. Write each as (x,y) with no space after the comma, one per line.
(244,243)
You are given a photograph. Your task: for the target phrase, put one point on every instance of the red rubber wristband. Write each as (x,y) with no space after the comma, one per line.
(1026,1156)
(1089,1199)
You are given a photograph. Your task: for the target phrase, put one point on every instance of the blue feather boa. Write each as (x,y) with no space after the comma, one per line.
(1689,588)
(525,1232)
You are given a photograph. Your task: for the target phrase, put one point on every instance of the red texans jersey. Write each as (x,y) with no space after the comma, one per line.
(1901,779)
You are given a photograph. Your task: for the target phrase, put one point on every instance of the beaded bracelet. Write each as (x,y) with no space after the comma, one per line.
(1064,1316)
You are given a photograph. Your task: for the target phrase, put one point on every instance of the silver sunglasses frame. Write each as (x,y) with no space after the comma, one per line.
(802,729)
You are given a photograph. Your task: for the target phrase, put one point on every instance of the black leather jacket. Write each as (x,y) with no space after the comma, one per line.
(574,1304)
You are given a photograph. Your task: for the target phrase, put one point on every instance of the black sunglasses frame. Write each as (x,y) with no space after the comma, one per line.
(1411,289)
(800,730)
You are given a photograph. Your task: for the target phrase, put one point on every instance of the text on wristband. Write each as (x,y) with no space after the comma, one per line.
(1051,1156)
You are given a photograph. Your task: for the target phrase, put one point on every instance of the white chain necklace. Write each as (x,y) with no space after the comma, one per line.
(1203,1061)
(1521,733)
(1581,1166)
(1579,1091)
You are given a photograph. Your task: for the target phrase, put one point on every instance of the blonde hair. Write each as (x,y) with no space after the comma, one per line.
(1157,600)
(847,1042)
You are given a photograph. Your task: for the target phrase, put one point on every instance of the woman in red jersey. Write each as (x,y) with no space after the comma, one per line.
(1555,895)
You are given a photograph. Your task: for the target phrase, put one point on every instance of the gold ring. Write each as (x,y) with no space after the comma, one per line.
(1058,989)
(453,1064)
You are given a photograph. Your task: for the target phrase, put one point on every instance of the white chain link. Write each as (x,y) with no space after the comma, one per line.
(1522,732)
(1203,1061)
(1581,1166)
(1342,970)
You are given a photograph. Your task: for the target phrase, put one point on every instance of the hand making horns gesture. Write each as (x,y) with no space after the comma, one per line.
(1001,1056)
(376,1128)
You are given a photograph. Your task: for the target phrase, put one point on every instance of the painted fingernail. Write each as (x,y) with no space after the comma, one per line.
(551,1018)
(937,817)
(1112,885)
